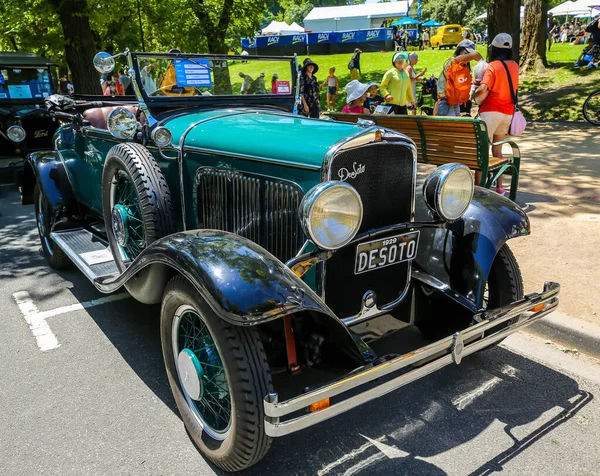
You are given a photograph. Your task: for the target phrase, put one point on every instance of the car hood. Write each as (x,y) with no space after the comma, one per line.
(278,136)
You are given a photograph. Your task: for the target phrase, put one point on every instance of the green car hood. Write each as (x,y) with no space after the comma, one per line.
(280,137)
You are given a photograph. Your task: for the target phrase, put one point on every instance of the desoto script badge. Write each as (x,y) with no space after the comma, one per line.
(345,174)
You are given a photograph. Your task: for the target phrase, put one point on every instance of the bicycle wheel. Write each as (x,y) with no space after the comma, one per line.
(591,108)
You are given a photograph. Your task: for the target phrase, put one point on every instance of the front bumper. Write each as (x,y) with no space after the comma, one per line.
(436,355)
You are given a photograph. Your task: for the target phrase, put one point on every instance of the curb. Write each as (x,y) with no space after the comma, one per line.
(570,332)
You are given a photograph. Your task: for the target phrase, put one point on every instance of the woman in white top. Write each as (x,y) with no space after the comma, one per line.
(413,59)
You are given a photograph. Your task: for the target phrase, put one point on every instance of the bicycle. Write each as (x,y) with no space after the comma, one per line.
(591,108)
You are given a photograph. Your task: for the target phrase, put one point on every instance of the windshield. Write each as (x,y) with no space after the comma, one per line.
(24,83)
(195,76)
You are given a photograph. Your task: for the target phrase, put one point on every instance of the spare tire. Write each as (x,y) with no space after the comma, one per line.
(136,201)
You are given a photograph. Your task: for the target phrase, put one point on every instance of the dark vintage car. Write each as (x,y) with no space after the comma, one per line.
(283,249)
(25,125)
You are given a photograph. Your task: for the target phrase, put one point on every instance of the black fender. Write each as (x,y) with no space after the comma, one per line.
(243,283)
(461,255)
(47,169)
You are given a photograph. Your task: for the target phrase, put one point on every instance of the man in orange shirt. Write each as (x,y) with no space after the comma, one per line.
(497,104)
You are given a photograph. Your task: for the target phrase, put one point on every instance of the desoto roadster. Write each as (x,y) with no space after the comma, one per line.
(282,248)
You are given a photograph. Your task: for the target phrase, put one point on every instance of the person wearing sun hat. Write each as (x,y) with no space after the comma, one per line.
(494,96)
(356,93)
(309,89)
(373,99)
(395,86)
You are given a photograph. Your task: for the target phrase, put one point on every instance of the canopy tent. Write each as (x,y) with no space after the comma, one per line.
(580,7)
(483,16)
(294,26)
(406,21)
(281,28)
(432,23)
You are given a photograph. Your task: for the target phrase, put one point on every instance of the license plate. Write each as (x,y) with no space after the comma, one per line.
(386,252)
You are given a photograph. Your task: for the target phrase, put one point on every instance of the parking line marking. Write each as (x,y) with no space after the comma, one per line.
(36,320)
(83,305)
(45,338)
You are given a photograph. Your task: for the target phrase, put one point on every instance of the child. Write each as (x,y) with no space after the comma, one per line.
(356,94)
(332,87)
(373,99)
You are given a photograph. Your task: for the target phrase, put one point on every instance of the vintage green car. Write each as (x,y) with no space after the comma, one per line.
(282,248)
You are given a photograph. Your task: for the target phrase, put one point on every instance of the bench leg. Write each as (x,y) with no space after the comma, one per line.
(514,182)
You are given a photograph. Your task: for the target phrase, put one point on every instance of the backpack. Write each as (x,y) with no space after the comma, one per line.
(458,84)
(351,64)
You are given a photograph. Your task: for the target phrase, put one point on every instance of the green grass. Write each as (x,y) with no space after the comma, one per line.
(556,94)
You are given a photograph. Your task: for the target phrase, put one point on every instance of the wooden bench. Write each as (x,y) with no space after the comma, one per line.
(441,140)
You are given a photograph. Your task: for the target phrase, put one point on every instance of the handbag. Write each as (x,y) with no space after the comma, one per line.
(518,122)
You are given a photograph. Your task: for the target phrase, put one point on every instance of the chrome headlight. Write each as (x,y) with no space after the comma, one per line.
(448,191)
(16,133)
(331,214)
(161,136)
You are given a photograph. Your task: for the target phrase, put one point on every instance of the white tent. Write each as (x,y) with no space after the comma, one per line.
(568,8)
(483,16)
(354,17)
(281,28)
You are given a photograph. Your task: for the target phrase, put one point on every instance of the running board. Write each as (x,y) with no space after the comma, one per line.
(89,252)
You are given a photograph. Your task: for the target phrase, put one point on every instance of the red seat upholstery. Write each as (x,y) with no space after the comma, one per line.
(98,115)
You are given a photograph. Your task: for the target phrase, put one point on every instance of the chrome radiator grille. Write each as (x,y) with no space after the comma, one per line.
(256,207)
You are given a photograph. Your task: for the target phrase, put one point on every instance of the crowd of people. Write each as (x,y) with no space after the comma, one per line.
(493,86)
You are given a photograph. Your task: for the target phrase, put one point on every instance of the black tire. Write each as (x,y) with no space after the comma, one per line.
(136,163)
(248,376)
(55,257)
(591,108)
(505,284)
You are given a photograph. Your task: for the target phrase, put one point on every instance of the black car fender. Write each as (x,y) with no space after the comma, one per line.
(461,255)
(243,283)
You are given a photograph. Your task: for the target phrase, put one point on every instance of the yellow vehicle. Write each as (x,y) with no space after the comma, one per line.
(447,36)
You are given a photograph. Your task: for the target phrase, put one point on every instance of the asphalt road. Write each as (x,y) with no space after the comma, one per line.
(99,403)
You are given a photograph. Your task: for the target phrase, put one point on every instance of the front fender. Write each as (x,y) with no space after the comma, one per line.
(461,255)
(47,169)
(243,283)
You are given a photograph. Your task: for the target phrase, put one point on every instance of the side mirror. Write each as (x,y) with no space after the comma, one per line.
(103,62)
(121,123)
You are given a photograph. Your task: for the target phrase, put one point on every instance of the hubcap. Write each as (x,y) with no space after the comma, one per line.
(190,372)
(201,372)
(119,224)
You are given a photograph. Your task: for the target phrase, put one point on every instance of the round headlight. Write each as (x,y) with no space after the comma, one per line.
(448,190)
(331,214)
(161,136)
(16,133)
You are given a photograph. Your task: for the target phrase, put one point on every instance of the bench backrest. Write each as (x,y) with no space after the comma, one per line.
(439,140)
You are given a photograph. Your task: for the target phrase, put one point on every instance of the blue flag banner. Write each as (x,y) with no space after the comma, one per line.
(419,7)
(322,38)
(248,43)
(281,40)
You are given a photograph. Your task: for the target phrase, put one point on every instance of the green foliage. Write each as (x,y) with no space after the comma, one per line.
(462,12)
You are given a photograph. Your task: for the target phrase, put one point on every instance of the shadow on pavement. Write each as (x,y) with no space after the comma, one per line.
(403,432)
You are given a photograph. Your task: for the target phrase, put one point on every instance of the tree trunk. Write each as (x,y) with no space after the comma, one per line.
(79,44)
(504,17)
(533,45)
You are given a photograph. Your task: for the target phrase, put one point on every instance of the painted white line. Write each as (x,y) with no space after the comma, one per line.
(83,305)
(45,338)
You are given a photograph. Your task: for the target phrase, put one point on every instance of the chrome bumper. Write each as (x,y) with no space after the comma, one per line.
(439,354)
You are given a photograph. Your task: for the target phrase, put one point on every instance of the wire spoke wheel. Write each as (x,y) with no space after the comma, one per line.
(136,202)
(207,392)
(219,375)
(127,216)
(591,108)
